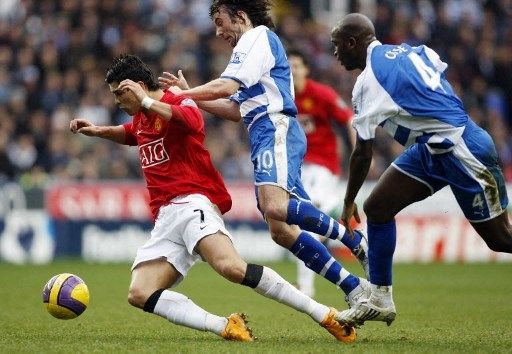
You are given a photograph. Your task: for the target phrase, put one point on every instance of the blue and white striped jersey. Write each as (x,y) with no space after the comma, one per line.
(404,90)
(260,65)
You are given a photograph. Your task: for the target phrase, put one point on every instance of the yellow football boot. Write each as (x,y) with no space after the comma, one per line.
(237,328)
(343,333)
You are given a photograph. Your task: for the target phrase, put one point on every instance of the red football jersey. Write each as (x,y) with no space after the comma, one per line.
(173,156)
(318,106)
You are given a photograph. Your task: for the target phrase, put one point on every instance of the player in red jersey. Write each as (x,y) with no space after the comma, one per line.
(320,108)
(187,198)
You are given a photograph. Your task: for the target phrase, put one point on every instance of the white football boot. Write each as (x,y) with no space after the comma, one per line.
(378,307)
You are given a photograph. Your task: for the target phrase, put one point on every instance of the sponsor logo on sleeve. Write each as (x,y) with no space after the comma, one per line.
(188,102)
(237,58)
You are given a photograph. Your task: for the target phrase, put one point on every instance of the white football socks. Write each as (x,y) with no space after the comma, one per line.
(180,310)
(273,286)
(305,279)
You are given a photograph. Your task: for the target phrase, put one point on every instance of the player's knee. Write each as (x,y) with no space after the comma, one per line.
(376,212)
(137,296)
(274,210)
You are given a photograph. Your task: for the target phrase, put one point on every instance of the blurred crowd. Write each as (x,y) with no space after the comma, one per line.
(54,54)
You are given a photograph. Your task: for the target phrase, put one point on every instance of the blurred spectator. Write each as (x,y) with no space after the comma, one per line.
(22,153)
(8,170)
(53,57)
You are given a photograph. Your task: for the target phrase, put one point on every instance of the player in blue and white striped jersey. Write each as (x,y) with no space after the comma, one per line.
(404,90)
(257,88)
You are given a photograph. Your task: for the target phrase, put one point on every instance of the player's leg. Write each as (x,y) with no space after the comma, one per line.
(147,291)
(148,277)
(162,262)
(479,187)
(219,252)
(309,250)
(279,152)
(384,202)
(324,188)
(308,217)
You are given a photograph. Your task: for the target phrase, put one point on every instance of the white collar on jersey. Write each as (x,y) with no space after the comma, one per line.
(370,48)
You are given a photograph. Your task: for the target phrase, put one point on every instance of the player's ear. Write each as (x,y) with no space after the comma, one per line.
(243,18)
(143,85)
(351,42)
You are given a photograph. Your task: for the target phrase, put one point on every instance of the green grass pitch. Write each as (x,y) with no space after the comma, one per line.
(441,309)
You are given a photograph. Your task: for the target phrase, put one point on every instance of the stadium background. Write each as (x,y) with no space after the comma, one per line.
(63,195)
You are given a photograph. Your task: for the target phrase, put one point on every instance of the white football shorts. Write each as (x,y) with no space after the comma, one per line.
(180,225)
(322,186)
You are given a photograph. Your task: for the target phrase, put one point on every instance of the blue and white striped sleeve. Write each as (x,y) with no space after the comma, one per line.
(372,105)
(251,58)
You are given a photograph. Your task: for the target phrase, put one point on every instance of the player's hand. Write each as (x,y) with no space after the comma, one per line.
(84,127)
(167,80)
(77,124)
(134,87)
(349,211)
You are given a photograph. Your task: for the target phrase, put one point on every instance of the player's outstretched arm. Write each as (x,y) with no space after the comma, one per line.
(215,89)
(222,107)
(83,126)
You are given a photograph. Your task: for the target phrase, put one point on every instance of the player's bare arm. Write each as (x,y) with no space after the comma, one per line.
(360,162)
(215,89)
(83,126)
(222,107)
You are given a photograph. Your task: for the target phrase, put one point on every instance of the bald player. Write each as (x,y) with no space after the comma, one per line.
(404,90)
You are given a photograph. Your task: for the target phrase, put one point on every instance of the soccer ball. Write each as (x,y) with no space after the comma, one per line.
(65,296)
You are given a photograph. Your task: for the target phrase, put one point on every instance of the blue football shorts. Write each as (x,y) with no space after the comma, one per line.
(471,170)
(278,146)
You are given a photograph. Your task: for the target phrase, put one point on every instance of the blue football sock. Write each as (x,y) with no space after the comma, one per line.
(317,258)
(381,247)
(309,218)
(352,242)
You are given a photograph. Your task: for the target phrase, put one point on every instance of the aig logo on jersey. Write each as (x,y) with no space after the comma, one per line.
(153,153)
(237,58)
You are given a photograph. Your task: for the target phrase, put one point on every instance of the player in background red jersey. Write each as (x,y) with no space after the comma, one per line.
(321,112)
(187,198)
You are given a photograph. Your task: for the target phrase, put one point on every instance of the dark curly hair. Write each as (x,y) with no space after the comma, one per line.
(258,11)
(129,66)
